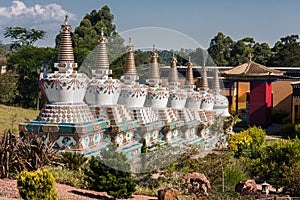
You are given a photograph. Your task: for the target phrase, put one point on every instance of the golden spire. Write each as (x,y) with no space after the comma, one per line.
(204,82)
(216,83)
(65,54)
(101,57)
(154,69)
(189,74)
(130,68)
(173,76)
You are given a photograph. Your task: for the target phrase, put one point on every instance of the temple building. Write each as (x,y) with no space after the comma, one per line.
(260,100)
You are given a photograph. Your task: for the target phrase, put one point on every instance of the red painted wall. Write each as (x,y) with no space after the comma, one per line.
(260,103)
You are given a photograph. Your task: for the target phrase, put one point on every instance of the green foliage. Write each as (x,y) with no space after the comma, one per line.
(251,138)
(226,52)
(258,135)
(110,174)
(287,119)
(37,185)
(73,161)
(233,175)
(287,52)
(23,36)
(219,49)
(211,166)
(289,129)
(66,176)
(297,130)
(290,180)
(273,162)
(91,26)
(278,116)
(239,142)
(27,63)
(8,88)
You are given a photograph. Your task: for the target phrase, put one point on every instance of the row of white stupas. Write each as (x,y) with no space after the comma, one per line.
(79,104)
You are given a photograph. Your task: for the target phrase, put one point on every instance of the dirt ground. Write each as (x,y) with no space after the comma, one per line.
(9,191)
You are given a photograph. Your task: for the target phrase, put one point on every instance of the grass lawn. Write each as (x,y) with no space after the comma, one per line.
(7,114)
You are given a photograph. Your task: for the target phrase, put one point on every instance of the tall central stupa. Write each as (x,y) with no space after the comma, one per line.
(66,118)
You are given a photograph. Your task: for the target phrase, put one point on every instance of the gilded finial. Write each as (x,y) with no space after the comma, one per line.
(153,47)
(250,57)
(66,20)
(129,41)
(189,58)
(102,38)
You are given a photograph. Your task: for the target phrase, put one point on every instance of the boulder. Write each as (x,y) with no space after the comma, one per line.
(168,194)
(246,187)
(198,180)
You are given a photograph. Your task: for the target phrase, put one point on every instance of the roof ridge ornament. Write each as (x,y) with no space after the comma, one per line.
(250,56)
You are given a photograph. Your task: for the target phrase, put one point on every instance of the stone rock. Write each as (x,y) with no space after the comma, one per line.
(168,194)
(198,179)
(246,187)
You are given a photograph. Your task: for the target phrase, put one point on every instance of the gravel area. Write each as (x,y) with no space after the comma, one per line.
(9,191)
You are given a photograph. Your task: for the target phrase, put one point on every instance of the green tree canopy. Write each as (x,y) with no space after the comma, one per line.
(219,49)
(22,36)
(90,28)
(286,52)
(262,53)
(27,63)
(240,51)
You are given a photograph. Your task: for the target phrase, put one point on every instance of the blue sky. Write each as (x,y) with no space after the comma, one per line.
(264,20)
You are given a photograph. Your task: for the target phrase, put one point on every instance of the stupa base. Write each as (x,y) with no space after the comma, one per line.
(85,138)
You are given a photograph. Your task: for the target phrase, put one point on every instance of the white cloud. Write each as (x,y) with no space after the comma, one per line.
(45,17)
(18,14)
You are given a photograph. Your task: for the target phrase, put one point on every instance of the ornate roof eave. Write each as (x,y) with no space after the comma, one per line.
(252,69)
(251,78)
(252,75)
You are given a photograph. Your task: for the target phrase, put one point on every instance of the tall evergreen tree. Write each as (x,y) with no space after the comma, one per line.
(262,53)
(286,52)
(219,49)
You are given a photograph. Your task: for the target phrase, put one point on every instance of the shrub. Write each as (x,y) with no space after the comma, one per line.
(66,176)
(73,161)
(287,119)
(111,174)
(278,116)
(36,185)
(233,175)
(289,129)
(297,130)
(253,137)
(239,142)
(290,179)
(258,135)
(274,161)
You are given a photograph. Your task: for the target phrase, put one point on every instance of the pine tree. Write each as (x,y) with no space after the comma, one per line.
(111,173)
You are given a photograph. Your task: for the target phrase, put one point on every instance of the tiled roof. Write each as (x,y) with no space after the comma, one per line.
(251,69)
